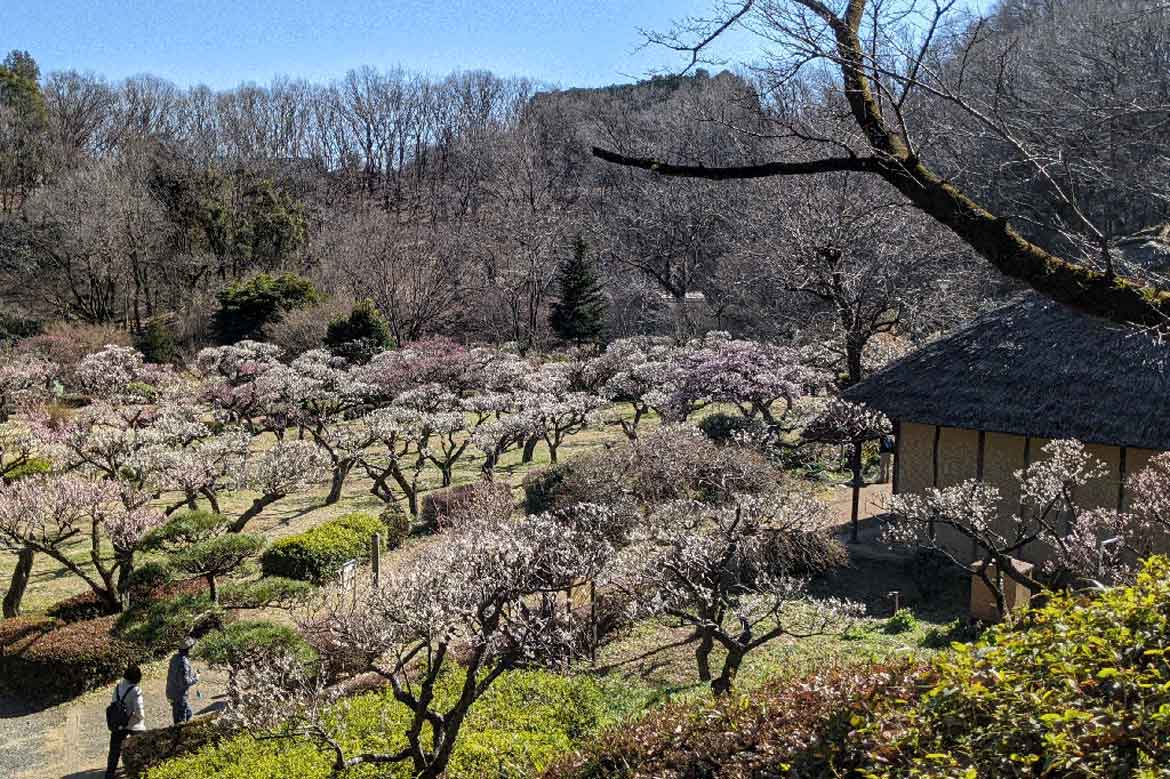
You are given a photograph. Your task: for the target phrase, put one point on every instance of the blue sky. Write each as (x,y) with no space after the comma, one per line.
(224,42)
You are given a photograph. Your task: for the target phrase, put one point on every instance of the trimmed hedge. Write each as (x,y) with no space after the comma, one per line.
(86,605)
(786,728)
(396,525)
(524,721)
(443,507)
(148,749)
(317,555)
(65,660)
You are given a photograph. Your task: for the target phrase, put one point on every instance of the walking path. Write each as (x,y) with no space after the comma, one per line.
(70,741)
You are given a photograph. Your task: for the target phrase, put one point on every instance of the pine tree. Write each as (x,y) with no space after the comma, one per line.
(579,314)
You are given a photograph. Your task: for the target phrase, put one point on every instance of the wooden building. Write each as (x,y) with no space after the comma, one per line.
(980,403)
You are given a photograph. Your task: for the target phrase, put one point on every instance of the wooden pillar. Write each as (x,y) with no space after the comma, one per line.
(1121,474)
(934,471)
(897,455)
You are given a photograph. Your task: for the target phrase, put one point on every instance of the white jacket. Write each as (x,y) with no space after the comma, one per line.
(133,702)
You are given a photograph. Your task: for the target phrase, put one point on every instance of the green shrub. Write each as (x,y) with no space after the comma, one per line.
(147,579)
(81,607)
(245,307)
(185,528)
(523,722)
(543,489)
(902,621)
(396,524)
(248,639)
(33,466)
(319,553)
(14,327)
(66,660)
(1076,688)
(721,428)
(157,341)
(161,624)
(264,593)
(360,335)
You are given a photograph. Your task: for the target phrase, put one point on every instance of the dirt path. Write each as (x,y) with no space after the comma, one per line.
(70,741)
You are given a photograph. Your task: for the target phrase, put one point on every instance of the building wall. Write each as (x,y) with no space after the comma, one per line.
(914,460)
(995,457)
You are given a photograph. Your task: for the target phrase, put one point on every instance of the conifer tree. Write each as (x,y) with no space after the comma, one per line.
(579,314)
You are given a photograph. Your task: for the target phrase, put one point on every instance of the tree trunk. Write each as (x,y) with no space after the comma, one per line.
(703,654)
(19,582)
(723,684)
(340,473)
(529,449)
(853,353)
(212,589)
(253,511)
(855,511)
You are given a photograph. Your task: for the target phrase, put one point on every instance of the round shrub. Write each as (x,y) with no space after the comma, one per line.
(81,607)
(396,525)
(319,553)
(157,341)
(360,335)
(542,487)
(721,428)
(249,639)
(67,660)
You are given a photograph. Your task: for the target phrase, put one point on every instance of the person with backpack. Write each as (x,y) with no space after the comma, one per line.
(181,677)
(124,715)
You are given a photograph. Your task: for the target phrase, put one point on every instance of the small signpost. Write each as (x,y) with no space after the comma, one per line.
(348,577)
(376,559)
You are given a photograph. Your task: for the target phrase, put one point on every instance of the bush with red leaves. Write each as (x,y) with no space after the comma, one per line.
(64,661)
(81,607)
(791,727)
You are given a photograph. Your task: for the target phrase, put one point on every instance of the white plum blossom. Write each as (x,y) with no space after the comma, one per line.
(724,573)
(44,512)
(485,595)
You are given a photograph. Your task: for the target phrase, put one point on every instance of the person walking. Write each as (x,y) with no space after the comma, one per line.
(181,677)
(886,450)
(125,715)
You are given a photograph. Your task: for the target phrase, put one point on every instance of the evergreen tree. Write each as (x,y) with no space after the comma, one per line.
(359,336)
(579,314)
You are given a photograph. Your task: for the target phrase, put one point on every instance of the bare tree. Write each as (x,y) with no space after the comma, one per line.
(889,64)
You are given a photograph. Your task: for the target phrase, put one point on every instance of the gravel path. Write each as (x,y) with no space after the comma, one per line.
(22,736)
(70,741)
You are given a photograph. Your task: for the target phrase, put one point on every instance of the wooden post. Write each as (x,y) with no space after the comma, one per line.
(593,622)
(855,511)
(376,559)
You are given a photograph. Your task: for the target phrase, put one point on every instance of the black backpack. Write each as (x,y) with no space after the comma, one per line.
(118,713)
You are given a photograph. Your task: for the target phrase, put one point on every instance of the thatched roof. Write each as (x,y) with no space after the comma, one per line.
(1036,368)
